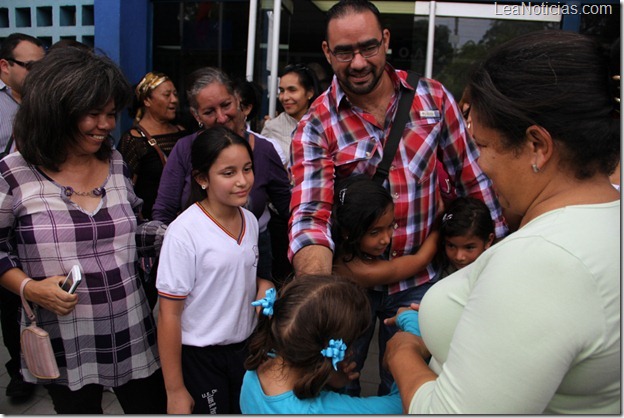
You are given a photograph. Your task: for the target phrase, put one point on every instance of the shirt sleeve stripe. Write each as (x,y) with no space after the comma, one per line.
(172,297)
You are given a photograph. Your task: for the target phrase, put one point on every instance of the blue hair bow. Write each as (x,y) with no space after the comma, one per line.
(266,302)
(335,351)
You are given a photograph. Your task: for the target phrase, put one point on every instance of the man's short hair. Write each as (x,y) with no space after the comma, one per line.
(11,42)
(346,7)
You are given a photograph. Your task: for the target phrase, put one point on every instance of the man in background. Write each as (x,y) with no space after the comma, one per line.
(18,53)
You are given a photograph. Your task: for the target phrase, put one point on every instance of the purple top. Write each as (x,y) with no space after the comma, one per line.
(270,180)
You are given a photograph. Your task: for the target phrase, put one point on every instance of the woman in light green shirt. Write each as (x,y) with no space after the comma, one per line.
(533,325)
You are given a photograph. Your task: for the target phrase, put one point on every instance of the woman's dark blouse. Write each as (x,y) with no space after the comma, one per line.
(144,162)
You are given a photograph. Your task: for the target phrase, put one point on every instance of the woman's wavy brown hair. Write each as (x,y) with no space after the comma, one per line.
(61,89)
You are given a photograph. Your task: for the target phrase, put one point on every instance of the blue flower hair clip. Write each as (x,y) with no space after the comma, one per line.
(335,351)
(266,302)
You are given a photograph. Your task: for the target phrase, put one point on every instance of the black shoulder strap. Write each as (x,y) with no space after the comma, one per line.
(7,148)
(400,119)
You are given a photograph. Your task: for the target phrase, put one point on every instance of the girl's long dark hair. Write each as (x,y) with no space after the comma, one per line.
(467,216)
(358,203)
(308,312)
(204,152)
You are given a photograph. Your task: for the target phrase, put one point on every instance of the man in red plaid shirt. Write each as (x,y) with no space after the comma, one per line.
(343,134)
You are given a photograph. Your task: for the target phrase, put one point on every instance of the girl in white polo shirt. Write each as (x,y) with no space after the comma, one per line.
(207,280)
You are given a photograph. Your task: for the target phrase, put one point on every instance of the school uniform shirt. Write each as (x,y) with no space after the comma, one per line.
(110,336)
(213,273)
(335,140)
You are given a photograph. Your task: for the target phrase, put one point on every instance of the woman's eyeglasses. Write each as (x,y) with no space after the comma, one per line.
(27,65)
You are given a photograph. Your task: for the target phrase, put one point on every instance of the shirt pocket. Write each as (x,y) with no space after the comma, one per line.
(421,138)
(361,151)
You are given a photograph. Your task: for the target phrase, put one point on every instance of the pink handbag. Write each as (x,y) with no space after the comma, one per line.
(36,345)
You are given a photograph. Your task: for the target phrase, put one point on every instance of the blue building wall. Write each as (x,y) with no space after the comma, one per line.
(122,32)
(49,20)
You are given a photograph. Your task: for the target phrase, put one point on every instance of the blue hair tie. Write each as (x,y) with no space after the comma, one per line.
(335,351)
(267,302)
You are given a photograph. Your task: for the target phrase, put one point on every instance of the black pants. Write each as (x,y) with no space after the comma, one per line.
(213,376)
(282,269)
(139,396)
(9,320)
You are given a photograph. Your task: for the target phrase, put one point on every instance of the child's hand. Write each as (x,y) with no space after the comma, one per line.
(180,402)
(342,377)
(392,321)
(348,368)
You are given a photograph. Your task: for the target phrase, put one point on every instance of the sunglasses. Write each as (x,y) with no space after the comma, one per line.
(27,65)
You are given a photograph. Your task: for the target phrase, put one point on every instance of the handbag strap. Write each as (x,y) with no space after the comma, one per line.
(152,142)
(394,137)
(7,148)
(25,304)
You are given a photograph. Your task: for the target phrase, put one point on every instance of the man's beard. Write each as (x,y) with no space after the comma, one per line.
(361,89)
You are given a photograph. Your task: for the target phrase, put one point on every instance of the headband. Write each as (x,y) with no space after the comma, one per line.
(145,86)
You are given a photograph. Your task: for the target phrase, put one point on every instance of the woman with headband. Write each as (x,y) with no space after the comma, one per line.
(145,148)
(147,144)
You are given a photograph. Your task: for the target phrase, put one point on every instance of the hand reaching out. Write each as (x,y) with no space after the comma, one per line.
(393,320)
(343,376)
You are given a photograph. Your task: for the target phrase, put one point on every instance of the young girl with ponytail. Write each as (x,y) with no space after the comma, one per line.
(299,353)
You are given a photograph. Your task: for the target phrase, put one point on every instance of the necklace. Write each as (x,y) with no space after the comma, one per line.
(97,192)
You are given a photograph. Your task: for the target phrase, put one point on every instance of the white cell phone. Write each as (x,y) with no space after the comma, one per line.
(72,280)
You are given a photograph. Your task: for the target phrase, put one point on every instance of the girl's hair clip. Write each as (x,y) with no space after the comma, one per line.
(335,351)
(341,195)
(447,217)
(266,302)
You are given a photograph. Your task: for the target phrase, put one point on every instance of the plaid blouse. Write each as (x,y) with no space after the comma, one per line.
(336,140)
(110,337)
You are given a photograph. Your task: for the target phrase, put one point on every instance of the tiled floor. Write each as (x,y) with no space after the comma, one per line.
(41,404)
